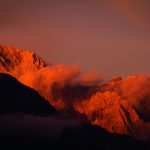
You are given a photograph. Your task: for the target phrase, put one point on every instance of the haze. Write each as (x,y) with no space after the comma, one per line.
(110,36)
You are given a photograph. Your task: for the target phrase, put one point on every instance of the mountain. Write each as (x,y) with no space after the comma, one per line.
(104,105)
(94,137)
(111,112)
(18,98)
(10,58)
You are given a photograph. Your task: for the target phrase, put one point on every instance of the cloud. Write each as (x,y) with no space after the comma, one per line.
(91,78)
(59,84)
(44,79)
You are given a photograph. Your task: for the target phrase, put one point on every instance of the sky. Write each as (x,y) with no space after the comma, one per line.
(110,36)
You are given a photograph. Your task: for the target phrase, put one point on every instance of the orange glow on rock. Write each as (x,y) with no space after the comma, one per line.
(109,111)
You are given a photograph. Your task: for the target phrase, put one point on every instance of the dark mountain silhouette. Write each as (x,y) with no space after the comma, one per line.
(94,137)
(16,97)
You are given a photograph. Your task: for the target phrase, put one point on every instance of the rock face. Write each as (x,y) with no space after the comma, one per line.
(10,58)
(109,111)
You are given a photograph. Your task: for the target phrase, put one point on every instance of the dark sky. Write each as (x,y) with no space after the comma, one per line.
(111,36)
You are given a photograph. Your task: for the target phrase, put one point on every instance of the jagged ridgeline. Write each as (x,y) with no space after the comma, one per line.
(10,58)
(107,105)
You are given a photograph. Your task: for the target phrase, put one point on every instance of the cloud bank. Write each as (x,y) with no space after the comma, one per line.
(59,84)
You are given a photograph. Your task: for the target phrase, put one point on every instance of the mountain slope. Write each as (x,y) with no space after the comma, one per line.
(94,137)
(18,98)
(109,111)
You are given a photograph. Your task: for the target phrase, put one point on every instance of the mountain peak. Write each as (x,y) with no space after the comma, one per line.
(111,112)
(11,57)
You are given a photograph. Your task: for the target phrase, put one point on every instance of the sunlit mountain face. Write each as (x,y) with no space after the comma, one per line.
(71,102)
(74,74)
